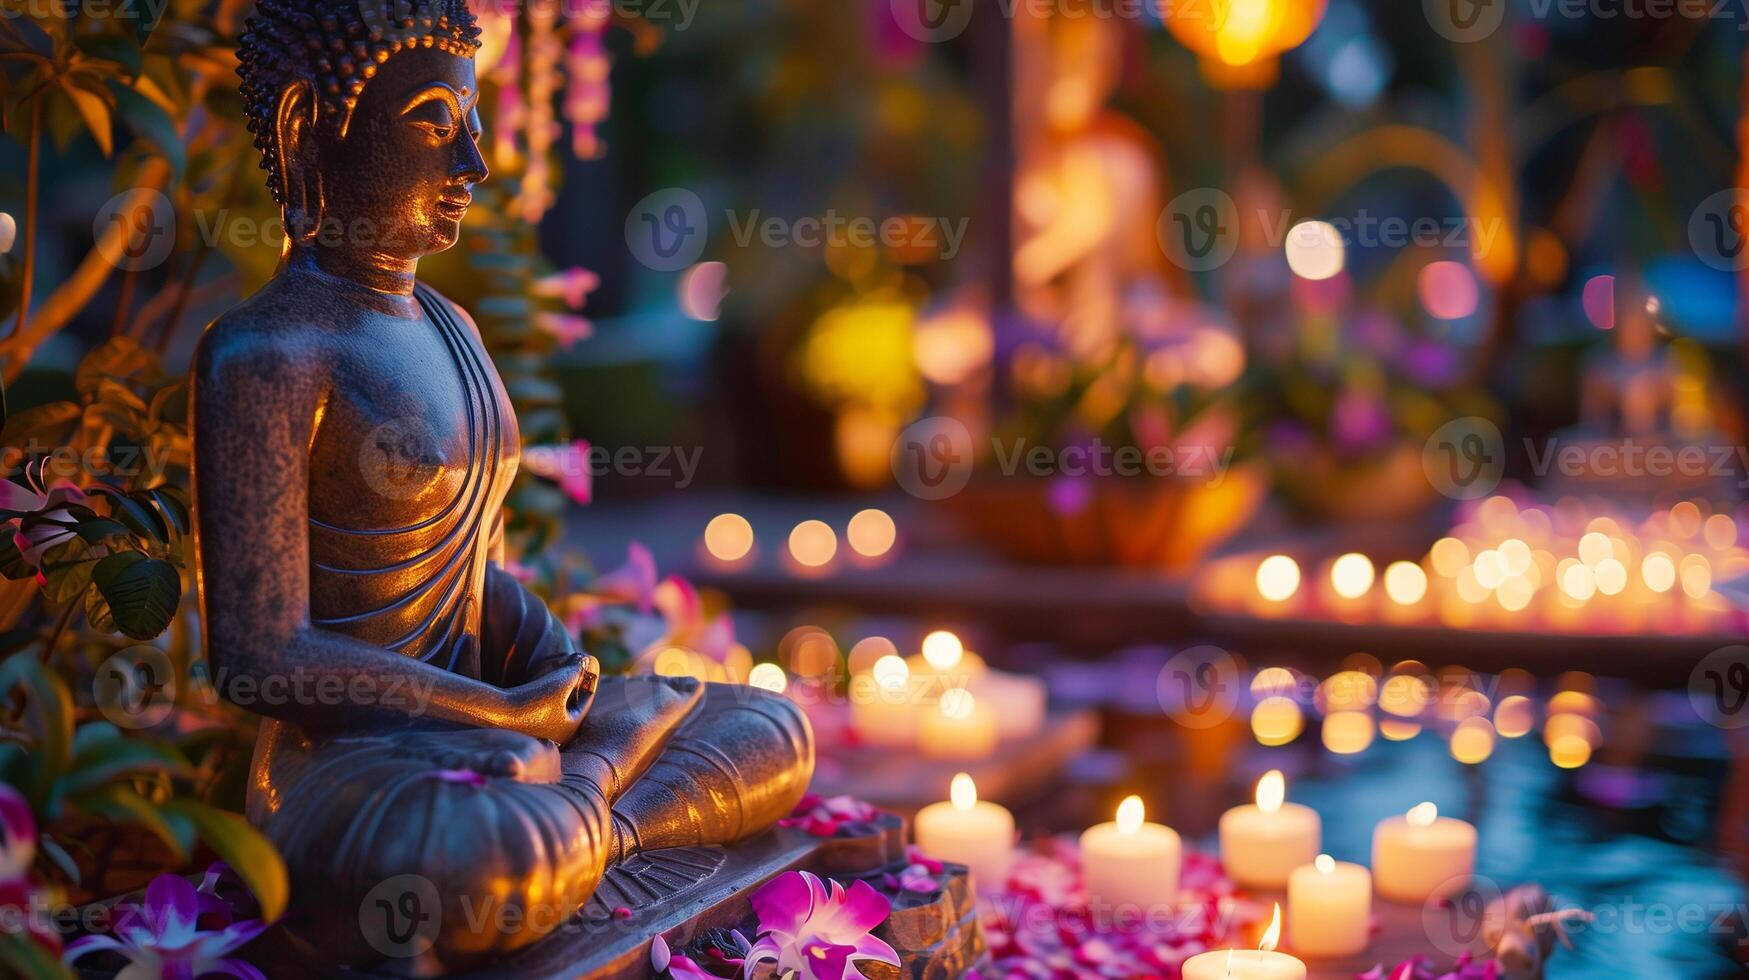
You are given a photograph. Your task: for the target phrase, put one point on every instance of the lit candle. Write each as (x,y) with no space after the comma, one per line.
(1262,963)
(1262,843)
(883,704)
(1422,854)
(1130,861)
(1018,700)
(959,727)
(969,831)
(945,663)
(1329,908)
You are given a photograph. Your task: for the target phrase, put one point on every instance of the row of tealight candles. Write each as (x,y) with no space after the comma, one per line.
(1267,845)
(944,702)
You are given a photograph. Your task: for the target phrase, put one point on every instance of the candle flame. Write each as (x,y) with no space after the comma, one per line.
(957,703)
(1325,863)
(891,672)
(1271,791)
(1423,815)
(963,793)
(943,650)
(1272,935)
(1129,815)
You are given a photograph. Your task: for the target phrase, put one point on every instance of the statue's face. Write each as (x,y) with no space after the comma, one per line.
(401,178)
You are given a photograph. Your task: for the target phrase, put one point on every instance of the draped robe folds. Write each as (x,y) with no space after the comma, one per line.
(507,834)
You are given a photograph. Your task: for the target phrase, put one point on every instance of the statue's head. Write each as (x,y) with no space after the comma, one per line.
(364,112)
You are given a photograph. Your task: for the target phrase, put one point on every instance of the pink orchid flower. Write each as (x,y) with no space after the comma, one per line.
(566,465)
(52,504)
(819,932)
(567,328)
(163,937)
(573,285)
(633,583)
(683,612)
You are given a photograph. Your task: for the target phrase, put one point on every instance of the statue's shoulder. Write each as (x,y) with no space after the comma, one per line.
(270,332)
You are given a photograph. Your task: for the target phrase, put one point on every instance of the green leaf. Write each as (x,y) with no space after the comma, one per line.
(96,529)
(174,506)
(47,423)
(120,804)
(143,520)
(97,612)
(105,760)
(142,592)
(149,122)
(244,848)
(21,956)
(12,563)
(59,857)
(47,719)
(94,111)
(118,358)
(67,569)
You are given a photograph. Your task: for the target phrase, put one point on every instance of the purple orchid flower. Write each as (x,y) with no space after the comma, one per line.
(163,938)
(566,465)
(817,931)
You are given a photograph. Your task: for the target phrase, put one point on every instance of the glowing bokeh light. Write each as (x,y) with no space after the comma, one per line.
(1278,578)
(813,543)
(728,537)
(871,533)
(1315,250)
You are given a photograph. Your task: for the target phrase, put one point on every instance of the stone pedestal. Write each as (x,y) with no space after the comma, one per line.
(681,893)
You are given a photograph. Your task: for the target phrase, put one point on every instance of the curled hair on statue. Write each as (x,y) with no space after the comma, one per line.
(334,47)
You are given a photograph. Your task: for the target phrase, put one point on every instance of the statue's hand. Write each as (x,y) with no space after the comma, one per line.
(552,706)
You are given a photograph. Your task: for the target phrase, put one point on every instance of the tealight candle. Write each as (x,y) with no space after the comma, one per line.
(883,704)
(1422,854)
(1130,861)
(1262,963)
(969,831)
(959,727)
(1018,700)
(1329,908)
(1262,843)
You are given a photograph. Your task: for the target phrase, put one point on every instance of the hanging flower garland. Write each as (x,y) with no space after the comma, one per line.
(554,47)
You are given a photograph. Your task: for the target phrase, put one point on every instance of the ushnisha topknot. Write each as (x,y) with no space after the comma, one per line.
(336,45)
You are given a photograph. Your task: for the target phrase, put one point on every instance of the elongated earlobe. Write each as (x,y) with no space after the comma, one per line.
(299,173)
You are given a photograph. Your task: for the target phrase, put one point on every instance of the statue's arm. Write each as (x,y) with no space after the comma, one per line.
(255,406)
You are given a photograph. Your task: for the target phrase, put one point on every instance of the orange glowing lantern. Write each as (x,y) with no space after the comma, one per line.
(1238,41)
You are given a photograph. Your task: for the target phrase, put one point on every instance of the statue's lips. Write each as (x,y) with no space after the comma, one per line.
(455,207)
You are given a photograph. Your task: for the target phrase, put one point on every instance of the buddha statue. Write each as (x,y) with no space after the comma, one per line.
(353,448)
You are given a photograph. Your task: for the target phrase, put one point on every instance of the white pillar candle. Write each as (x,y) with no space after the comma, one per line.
(1247,964)
(884,707)
(969,831)
(1018,699)
(1329,908)
(1422,854)
(1130,861)
(1262,843)
(959,727)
